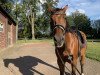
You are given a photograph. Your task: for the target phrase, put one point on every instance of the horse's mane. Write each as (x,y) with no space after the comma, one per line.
(71,29)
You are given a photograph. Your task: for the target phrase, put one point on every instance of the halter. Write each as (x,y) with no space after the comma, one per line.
(60,27)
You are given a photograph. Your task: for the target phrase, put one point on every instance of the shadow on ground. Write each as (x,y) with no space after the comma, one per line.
(26,64)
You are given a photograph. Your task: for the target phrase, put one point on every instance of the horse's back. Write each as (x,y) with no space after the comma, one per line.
(82,36)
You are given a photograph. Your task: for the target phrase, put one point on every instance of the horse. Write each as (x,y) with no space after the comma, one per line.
(68,45)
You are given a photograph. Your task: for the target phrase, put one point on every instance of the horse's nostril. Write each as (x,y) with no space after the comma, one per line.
(62,39)
(55,39)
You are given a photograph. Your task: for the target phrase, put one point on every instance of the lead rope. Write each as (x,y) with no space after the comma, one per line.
(66,66)
(64,63)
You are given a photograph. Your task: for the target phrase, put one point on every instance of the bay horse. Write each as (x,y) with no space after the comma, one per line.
(67,42)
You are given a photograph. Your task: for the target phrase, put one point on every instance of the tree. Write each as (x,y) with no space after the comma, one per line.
(96,28)
(97,25)
(26,14)
(70,20)
(46,15)
(31,7)
(7,5)
(82,22)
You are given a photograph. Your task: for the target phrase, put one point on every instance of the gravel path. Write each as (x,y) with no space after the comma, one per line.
(36,59)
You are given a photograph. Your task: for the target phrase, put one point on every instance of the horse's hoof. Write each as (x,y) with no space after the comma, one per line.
(82,73)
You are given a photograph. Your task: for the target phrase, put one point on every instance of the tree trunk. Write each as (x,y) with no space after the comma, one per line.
(16,30)
(31,21)
(33,34)
(16,23)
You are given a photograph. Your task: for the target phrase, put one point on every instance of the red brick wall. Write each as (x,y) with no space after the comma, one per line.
(13,28)
(4,34)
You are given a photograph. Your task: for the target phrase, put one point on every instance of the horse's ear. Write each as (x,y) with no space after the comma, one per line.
(65,8)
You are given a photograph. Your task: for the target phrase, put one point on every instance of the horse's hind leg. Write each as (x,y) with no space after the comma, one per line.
(61,66)
(82,65)
(82,60)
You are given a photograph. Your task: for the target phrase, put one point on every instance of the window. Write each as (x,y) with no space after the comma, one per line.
(1,26)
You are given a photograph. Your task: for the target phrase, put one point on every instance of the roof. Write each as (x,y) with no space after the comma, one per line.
(6,14)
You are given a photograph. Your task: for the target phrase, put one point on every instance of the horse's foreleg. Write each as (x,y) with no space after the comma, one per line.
(61,66)
(74,64)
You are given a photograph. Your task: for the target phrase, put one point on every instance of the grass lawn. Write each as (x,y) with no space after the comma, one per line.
(93,50)
(33,41)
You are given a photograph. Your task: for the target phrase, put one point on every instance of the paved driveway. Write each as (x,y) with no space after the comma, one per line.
(36,59)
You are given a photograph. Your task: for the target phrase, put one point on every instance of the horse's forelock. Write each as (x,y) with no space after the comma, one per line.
(56,10)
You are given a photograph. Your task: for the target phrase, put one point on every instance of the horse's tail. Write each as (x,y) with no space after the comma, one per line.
(84,38)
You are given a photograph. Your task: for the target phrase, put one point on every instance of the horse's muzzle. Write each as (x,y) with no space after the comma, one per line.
(59,42)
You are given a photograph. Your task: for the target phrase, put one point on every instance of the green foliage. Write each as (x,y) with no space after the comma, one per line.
(7,6)
(42,24)
(96,29)
(70,20)
(82,22)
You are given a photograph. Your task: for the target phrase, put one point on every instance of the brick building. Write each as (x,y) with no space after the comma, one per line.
(7,29)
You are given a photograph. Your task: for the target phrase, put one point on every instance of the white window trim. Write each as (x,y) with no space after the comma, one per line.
(1,27)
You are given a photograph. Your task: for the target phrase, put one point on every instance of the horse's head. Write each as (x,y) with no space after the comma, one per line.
(58,25)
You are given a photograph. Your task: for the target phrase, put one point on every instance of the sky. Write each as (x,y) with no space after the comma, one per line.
(89,7)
